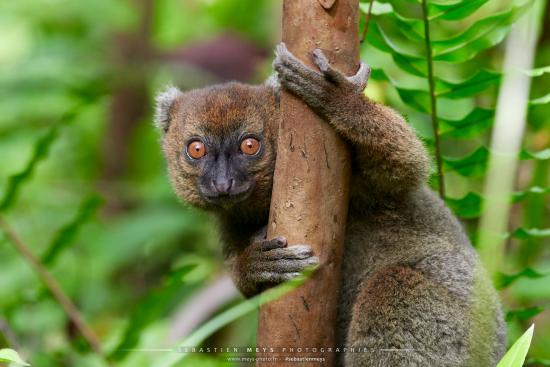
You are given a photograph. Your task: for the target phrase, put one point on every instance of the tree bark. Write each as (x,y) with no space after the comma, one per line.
(311,186)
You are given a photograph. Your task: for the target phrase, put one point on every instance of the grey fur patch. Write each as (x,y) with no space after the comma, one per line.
(273,82)
(163,104)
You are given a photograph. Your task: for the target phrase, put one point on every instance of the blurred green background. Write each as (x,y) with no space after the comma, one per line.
(77,83)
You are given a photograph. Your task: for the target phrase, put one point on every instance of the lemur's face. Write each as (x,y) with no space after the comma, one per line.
(219,145)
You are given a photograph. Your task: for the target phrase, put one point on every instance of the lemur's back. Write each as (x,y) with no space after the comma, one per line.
(401,258)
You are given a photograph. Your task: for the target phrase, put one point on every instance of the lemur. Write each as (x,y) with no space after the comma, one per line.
(413,290)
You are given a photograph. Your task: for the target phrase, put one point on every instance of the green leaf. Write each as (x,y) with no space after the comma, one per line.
(40,152)
(524,313)
(538,71)
(446,2)
(537,362)
(15,182)
(420,99)
(384,6)
(523,234)
(480,36)
(467,207)
(541,155)
(10,355)
(415,98)
(520,195)
(379,39)
(67,234)
(243,308)
(478,121)
(475,163)
(454,11)
(470,206)
(468,88)
(505,280)
(517,353)
(150,309)
(414,66)
(232,314)
(469,166)
(379,74)
(412,29)
(540,101)
(378,8)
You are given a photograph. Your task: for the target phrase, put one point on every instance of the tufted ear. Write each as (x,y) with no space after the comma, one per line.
(164,102)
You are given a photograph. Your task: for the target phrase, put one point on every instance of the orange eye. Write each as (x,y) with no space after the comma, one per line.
(250,146)
(196,149)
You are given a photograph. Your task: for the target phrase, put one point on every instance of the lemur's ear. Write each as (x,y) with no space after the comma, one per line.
(164,102)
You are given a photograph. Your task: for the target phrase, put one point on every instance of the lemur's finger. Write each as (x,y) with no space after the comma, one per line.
(284,55)
(275,243)
(284,58)
(289,266)
(298,252)
(299,86)
(290,80)
(275,278)
(313,95)
(285,66)
(323,64)
(286,63)
(361,78)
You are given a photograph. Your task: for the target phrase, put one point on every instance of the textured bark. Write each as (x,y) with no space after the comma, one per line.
(310,191)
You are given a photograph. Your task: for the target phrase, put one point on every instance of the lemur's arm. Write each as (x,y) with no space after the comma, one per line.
(390,158)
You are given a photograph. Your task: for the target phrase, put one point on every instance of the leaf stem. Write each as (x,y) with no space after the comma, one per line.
(55,289)
(433,100)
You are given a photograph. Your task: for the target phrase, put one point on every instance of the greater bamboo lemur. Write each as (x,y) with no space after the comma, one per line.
(413,291)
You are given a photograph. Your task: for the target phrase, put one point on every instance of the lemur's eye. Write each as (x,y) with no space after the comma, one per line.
(196,149)
(250,146)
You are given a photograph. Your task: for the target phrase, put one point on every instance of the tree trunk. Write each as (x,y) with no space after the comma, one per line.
(311,186)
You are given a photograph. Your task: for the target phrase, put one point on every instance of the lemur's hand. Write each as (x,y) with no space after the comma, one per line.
(266,263)
(319,90)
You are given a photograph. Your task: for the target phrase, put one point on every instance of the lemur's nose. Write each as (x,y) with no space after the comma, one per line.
(223,186)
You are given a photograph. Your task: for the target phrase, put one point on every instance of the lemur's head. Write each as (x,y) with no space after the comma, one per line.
(219,143)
